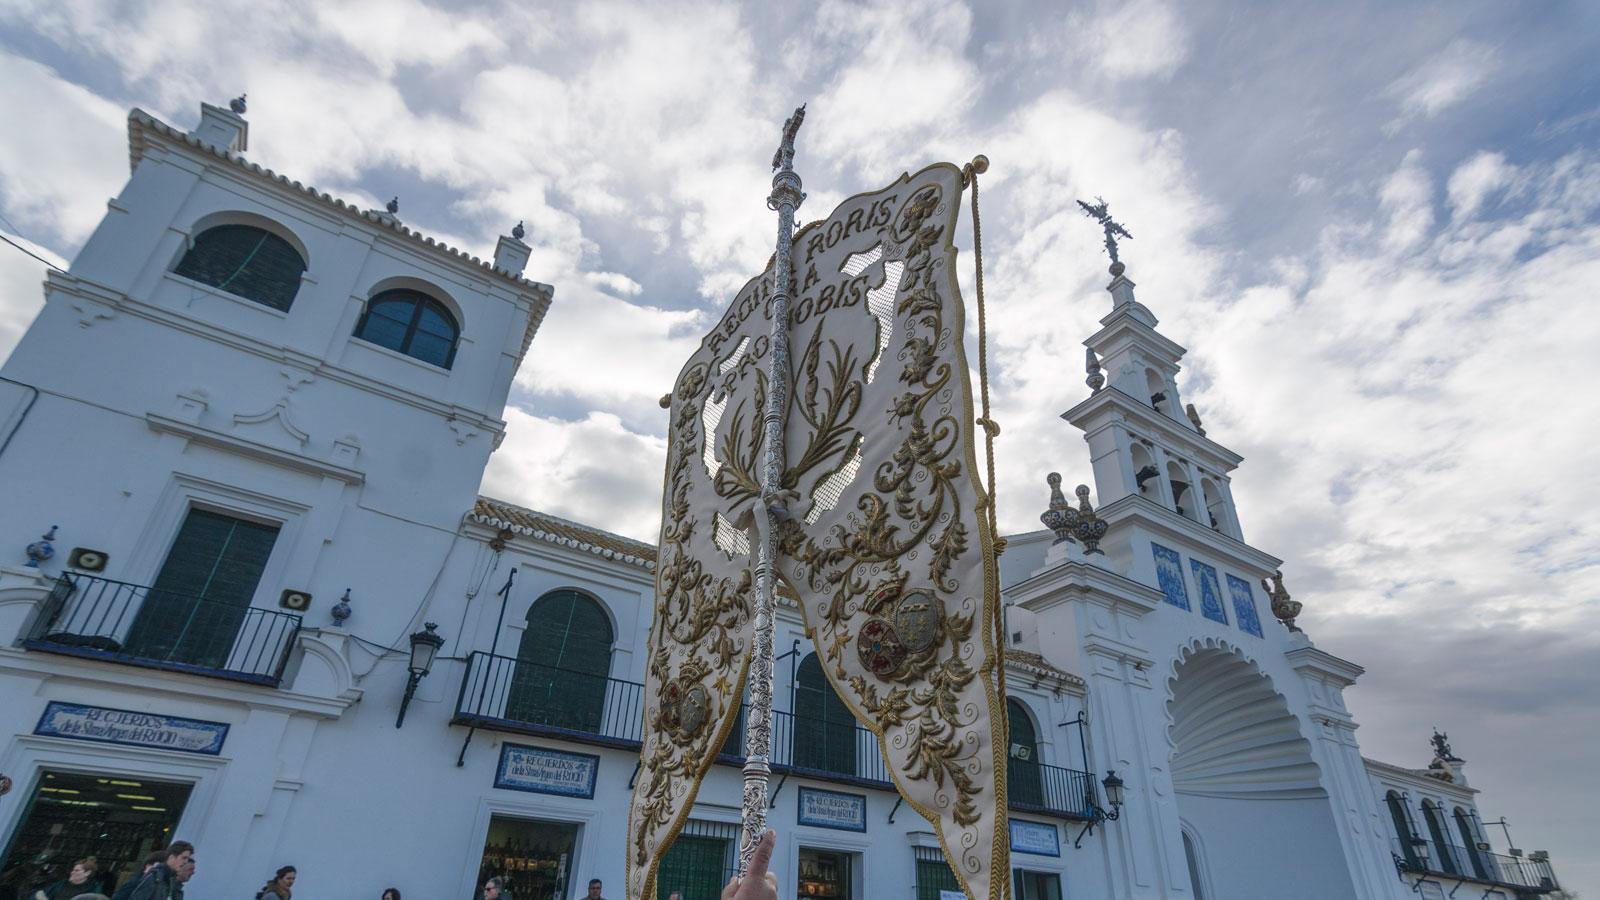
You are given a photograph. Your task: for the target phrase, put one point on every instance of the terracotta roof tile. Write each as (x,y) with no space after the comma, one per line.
(142,125)
(563,532)
(1039,664)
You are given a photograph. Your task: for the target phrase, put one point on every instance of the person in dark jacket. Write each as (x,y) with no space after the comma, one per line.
(150,862)
(165,880)
(280,887)
(75,884)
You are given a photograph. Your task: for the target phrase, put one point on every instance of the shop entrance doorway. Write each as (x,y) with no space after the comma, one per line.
(118,820)
(533,859)
(824,875)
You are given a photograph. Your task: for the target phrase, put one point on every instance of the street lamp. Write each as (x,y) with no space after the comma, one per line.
(425,646)
(1098,813)
(1113,786)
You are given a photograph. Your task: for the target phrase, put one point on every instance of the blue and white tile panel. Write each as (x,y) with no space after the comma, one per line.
(1172,579)
(1244,605)
(1210,592)
(1169,574)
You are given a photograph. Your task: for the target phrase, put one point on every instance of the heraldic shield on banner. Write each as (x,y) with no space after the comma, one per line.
(886,545)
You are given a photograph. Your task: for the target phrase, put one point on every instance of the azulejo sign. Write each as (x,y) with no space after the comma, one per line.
(542,771)
(1037,838)
(136,729)
(831,809)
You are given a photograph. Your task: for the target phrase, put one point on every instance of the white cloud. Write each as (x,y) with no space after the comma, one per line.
(1407,198)
(1138,39)
(609,353)
(57,172)
(1474,180)
(1444,80)
(594,470)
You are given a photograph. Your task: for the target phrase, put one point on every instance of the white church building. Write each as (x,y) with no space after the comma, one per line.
(250,598)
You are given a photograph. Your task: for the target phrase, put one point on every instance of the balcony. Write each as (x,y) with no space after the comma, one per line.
(1526,875)
(502,694)
(1050,790)
(97,618)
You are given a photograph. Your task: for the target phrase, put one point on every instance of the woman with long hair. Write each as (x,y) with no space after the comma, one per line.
(279,887)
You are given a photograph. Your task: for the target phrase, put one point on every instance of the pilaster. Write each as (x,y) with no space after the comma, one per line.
(1334,745)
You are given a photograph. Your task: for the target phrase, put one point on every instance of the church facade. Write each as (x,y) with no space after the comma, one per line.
(254,601)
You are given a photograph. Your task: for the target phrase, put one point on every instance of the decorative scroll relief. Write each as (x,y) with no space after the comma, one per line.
(887,547)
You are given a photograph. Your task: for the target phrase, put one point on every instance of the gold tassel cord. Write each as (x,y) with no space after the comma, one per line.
(991,429)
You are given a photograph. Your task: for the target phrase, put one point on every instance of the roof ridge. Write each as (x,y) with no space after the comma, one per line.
(138,119)
(488,510)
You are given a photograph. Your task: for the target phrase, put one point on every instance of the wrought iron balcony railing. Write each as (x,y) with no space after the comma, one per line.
(99,618)
(1052,790)
(507,694)
(1430,858)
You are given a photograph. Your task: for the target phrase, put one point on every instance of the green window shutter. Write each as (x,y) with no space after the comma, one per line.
(563,662)
(1023,781)
(193,611)
(824,729)
(696,867)
(933,876)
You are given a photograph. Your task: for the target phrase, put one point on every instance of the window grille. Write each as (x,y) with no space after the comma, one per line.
(245,261)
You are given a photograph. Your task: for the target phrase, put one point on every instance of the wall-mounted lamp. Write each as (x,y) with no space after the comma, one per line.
(425,646)
(1421,850)
(1098,813)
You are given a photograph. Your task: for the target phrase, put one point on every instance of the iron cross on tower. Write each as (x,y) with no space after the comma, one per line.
(1101,212)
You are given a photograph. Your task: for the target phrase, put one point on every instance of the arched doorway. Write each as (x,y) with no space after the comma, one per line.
(824,731)
(1022,767)
(1243,778)
(563,661)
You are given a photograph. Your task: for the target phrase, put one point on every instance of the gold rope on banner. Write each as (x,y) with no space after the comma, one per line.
(991,428)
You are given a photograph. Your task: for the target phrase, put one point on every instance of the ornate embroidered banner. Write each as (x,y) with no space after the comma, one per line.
(886,546)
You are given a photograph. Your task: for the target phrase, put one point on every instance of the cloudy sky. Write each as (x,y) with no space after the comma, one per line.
(1375,225)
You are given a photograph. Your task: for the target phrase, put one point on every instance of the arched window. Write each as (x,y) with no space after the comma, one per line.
(562,664)
(412,323)
(824,731)
(1191,855)
(1439,832)
(1402,830)
(1469,840)
(247,261)
(1022,763)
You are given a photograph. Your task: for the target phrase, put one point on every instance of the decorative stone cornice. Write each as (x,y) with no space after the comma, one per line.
(254,449)
(1163,521)
(43,666)
(1141,418)
(1087,583)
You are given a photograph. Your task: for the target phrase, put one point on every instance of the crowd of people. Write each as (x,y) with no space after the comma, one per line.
(166,871)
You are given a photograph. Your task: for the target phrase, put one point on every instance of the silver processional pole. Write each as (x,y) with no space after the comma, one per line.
(785,198)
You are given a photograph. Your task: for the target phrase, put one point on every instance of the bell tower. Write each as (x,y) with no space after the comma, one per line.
(1143,439)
